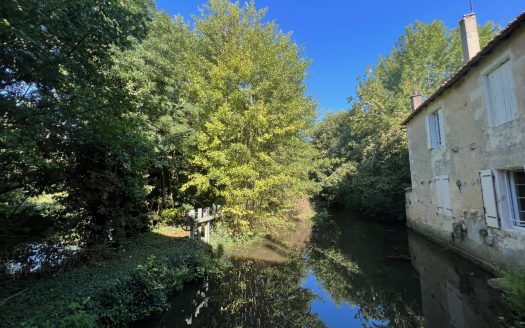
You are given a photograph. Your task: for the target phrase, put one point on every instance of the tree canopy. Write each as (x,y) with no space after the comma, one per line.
(113,112)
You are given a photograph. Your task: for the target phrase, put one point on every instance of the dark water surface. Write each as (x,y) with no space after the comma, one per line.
(352,274)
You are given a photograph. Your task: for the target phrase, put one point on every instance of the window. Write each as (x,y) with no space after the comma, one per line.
(444,206)
(501,97)
(435,130)
(517,192)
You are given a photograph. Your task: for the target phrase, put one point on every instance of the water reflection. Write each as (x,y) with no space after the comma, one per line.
(352,262)
(454,292)
(353,274)
(252,294)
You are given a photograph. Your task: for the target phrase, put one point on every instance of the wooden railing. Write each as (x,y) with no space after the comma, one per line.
(202,217)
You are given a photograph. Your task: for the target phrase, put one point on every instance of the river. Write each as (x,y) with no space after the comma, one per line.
(353,273)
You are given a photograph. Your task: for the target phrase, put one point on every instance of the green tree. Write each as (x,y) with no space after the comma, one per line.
(252,150)
(160,72)
(65,126)
(368,168)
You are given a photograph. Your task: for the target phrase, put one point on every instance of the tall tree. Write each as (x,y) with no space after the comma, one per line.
(252,151)
(64,127)
(160,72)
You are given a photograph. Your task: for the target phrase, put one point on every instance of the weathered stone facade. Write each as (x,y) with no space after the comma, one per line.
(471,144)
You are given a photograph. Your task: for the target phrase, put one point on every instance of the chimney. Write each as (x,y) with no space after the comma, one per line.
(469,36)
(417,100)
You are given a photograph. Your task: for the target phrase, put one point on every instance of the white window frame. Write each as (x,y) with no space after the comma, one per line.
(506,202)
(504,58)
(435,131)
(516,221)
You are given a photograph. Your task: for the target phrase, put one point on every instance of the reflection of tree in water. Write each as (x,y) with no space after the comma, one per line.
(350,264)
(259,294)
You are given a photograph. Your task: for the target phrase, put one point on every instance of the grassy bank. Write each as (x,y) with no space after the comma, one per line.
(133,283)
(513,285)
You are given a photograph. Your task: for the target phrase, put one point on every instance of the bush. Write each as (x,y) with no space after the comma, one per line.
(134,283)
(144,293)
(174,216)
(79,317)
(514,287)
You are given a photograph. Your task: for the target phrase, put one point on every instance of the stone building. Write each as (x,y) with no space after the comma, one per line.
(467,152)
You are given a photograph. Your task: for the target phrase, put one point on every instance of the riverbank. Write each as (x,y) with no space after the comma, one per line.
(276,247)
(131,283)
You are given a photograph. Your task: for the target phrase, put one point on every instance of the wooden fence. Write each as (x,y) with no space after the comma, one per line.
(200,218)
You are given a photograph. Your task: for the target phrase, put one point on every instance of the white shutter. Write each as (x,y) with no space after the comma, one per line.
(444,205)
(447,205)
(502,94)
(439,196)
(509,93)
(429,138)
(489,198)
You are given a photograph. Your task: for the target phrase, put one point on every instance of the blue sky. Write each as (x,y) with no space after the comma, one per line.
(343,37)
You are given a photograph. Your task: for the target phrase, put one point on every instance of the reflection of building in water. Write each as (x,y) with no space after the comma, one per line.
(454,292)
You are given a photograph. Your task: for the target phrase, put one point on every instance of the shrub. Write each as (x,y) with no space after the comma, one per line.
(144,293)
(79,318)
(135,282)
(174,216)
(514,287)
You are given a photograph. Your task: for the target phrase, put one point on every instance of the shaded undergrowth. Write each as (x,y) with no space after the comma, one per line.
(135,282)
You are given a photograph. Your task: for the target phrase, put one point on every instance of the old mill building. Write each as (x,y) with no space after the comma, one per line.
(467,152)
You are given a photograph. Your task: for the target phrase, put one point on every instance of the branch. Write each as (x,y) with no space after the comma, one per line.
(2,303)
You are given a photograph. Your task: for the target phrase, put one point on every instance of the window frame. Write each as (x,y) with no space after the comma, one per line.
(516,220)
(506,202)
(490,109)
(435,129)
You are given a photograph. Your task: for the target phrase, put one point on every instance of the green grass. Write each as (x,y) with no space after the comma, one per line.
(135,282)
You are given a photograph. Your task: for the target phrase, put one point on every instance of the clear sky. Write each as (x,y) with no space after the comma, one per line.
(343,37)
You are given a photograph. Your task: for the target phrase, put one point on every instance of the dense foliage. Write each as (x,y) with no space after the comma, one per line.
(252,149)
(127,285)
(66,123)
(364,155)
(113,113)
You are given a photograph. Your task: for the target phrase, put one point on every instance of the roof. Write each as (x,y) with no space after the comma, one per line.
(476,60)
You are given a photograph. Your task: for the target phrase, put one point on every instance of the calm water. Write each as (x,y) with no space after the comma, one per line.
(352,274)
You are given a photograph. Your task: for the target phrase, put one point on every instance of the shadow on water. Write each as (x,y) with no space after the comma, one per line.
(352,274)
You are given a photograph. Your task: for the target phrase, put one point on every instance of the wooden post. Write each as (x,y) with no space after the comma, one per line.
(199,226)
(192,216)
(200,220)
(192,229)
(207,231)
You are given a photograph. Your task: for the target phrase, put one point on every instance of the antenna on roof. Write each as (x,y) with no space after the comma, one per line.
(471,7)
